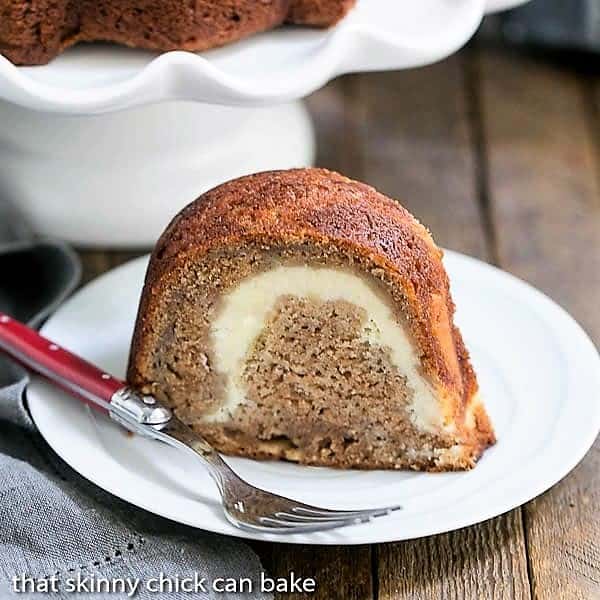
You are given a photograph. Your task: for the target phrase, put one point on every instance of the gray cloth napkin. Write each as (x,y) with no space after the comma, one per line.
(55,523)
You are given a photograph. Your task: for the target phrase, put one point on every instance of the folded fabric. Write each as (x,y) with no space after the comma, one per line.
(58,527)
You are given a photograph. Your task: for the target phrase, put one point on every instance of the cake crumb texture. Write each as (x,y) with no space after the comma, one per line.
(312,365)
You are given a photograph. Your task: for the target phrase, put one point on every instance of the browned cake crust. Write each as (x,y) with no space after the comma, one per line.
(318,13)
(32,32)
(345,221)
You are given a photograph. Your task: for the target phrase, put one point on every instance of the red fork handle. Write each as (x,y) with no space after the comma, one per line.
(71,373)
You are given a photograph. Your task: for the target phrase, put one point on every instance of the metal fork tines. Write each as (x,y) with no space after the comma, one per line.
(251,508)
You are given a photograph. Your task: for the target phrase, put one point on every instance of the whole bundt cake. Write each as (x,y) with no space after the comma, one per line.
(32,32)
(300,315)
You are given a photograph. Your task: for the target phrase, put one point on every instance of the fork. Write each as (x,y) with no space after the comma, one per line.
(245,506)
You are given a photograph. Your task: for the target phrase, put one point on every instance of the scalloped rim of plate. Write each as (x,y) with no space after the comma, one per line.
(185,75)
(518,488)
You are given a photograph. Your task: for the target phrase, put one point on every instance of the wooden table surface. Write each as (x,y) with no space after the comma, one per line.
(499,154)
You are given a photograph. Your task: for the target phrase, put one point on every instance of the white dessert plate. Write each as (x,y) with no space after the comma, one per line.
(539,374)
(276,66)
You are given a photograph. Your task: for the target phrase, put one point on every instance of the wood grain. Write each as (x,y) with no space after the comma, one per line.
(418,147)
(484,561)
(96,262)
(340,572)
(338,115)
(545,199)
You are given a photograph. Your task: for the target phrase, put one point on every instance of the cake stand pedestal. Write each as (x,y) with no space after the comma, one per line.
(105,144)
(117,179)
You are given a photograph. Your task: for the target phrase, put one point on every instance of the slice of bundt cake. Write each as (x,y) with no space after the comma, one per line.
(32,32)
(300,315)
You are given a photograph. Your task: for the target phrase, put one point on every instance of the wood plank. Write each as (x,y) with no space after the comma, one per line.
(484,561)
(338,115)
(96,262)
(419,146)
(545,199)
(340,572)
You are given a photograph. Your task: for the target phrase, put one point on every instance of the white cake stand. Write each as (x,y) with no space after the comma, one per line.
(105,144)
